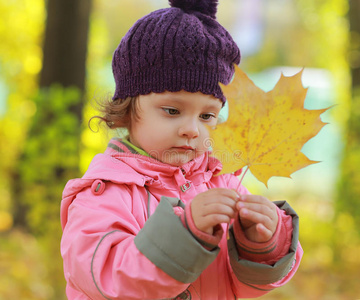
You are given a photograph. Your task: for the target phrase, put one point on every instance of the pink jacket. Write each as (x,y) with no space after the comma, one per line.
(123,238)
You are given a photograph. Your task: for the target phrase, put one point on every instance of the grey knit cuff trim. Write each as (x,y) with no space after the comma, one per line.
(170,246)
(250,272)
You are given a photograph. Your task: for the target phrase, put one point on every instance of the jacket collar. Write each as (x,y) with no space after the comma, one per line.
(122,163)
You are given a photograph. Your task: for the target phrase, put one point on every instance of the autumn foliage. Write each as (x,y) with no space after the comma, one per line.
(266,130)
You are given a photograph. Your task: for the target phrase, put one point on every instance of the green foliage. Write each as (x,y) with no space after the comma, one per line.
(50,156)
(21,26)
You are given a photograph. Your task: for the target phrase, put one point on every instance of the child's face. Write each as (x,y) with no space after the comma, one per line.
(172,126)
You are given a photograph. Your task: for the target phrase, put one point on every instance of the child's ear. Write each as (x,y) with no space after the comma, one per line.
(224,113)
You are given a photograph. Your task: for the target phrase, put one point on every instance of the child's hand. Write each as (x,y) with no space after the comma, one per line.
(213,207)
(258,217)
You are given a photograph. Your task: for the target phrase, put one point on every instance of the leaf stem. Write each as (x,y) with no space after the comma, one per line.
(242,177)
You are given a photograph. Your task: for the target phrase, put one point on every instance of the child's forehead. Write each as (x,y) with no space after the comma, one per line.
(184,97)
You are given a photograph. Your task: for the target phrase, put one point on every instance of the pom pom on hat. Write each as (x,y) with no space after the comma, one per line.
(207,7)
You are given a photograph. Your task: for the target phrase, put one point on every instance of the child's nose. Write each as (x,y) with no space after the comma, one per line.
(189,129)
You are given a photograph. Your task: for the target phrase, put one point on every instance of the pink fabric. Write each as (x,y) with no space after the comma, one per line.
(270,251)
(101,260)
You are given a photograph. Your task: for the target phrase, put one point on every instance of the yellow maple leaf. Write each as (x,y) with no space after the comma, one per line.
(265,131)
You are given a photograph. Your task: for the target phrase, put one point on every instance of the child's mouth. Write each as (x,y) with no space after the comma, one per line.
(184,148)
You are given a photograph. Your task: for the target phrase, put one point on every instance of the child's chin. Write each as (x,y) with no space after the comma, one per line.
(177,160)
(177,163)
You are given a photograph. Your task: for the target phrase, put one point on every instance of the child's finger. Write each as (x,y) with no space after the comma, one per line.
(222,192)
(219,208)
(264,233)
(219,196)
(259,208)
(214,219)
(250,217)
(256,199)
(221,201)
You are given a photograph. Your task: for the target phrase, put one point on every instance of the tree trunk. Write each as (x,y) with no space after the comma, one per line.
(354,13)
(349,191)
(65,43)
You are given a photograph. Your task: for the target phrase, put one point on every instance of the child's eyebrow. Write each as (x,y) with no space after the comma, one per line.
(212,106)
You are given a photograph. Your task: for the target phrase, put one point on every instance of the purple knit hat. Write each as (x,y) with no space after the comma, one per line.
(178,48)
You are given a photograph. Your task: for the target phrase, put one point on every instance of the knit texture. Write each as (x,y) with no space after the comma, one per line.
(173,49)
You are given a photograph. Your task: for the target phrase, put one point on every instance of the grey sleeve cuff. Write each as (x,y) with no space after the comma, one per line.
(170,246)
(255,273)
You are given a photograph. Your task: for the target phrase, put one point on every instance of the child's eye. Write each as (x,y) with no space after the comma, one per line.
(207,117)
(171,111)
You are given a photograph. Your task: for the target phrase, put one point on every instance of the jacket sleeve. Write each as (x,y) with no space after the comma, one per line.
(256,277)
(108,253)
(179,256)
(262,277)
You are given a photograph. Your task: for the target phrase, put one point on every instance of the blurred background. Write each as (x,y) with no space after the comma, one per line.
(55,59)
